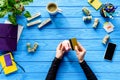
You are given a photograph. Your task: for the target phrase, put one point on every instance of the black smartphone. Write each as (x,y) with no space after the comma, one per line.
(110,51)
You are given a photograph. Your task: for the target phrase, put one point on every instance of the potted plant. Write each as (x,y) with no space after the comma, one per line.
(14,8)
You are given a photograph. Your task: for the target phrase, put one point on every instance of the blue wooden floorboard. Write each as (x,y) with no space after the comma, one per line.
(65,26)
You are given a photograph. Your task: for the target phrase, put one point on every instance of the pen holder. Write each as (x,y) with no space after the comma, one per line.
(107,10)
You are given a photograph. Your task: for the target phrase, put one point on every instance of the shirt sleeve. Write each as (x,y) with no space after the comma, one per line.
(53,69)
(88,72)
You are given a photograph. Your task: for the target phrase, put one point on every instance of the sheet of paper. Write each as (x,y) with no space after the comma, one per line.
(95,3)
(20,29)
(108,26)
(8,69)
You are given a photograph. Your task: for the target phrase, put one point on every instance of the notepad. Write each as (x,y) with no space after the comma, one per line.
(108,26)
(8,69)
(95,3)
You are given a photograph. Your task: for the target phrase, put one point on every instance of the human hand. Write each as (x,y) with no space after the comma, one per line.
(60,51)
(80,51)
(66,44)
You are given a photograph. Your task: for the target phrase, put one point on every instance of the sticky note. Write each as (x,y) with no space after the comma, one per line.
(8,69)
(108,26)
(95,3)
(8,60)
(73,43)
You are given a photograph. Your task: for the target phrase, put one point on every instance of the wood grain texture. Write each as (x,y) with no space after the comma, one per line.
(67,25)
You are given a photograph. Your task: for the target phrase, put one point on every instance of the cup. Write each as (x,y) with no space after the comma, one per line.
(53,9)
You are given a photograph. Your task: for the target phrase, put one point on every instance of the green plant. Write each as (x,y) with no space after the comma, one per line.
(14,8)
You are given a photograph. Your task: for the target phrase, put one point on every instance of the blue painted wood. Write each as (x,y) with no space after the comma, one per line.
(65,26)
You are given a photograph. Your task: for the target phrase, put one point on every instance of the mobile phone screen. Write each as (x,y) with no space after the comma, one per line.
(110,51)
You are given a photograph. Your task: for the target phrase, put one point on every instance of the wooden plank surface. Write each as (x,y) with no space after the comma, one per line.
(65,26)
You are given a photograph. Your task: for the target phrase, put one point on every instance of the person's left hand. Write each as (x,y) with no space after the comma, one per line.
(60,51)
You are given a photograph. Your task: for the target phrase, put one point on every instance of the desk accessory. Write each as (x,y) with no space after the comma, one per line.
(96,4)
(44,23)
(96,22)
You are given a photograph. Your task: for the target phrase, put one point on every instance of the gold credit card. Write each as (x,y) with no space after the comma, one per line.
(73,43)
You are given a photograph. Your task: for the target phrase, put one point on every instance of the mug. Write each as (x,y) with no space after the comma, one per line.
(52,8)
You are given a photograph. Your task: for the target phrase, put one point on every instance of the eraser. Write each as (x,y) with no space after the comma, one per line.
(73,43)
(33,23)
(105,39)
(86,11)
(96,22)
(34,16)
(44,23)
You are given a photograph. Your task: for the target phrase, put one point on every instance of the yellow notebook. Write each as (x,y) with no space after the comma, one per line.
(8,69)
(95,3)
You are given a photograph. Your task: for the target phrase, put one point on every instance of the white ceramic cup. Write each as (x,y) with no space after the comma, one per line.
(53,9)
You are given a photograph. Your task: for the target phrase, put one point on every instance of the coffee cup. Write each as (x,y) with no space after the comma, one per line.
(52,8)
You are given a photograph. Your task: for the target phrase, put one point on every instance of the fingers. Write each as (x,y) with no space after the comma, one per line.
(59,46)
(76,48)
(81,47)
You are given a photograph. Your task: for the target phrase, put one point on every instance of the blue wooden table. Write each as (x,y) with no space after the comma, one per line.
(67,25)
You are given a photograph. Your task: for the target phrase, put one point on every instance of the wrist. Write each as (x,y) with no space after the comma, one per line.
(81,60)
(58,57)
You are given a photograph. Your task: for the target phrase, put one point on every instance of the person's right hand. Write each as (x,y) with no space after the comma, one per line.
(80,51)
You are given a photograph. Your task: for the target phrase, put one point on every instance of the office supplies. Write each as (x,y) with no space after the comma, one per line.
(108,26)
(34,16)
(20,29)
(86,11)
(87,18)
(33,23)
(73,43)
(95,3)
(8,60)
(110,51)
(8,37)
(35,46)
(96,22)
(32,49)
(108,10)
(105,39)
(8,69)
(29,47)
(44,23)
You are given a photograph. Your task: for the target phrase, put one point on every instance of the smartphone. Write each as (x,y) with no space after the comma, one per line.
(110,51)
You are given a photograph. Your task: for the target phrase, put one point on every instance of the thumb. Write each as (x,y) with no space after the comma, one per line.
(76,49)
